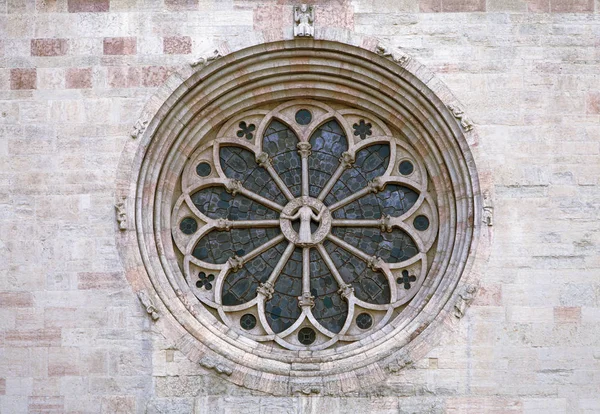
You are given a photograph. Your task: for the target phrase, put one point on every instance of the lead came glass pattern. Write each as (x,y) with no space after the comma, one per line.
(306,229)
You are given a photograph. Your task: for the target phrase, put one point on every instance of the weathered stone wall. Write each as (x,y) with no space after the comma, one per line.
(74,77)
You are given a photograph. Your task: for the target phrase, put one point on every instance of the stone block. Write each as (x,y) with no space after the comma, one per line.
(49,47)
(88,6)
(462,6)
(95,281)
(571,6)
(153,76)
(16,300)
(177,45)
(567,314)
(23,78)
(120,46)
(177,5)
(32,337)
(78,78)
(46,405)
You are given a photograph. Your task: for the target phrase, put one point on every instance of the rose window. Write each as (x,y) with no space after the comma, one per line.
(305,225)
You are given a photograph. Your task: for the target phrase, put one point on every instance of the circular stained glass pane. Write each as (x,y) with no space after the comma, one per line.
(306,336)
(406,168)
(188,225)
(303,117)
(203,169)
(248,321)
(364,321)
(421,223)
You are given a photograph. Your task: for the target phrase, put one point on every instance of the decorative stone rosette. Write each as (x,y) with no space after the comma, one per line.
(354,256)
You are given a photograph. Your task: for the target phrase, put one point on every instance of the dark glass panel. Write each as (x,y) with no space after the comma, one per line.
(370,286)
(282,309)
(303,117)
(218,246)
(216,202)
(421,223)
(240,286)
(280,143)
(330,308)
(393,247)
(328,143)
(240,164)
(364,321)
(394,201)
(371,162)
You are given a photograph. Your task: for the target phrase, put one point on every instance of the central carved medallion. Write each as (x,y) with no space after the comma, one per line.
(305,210)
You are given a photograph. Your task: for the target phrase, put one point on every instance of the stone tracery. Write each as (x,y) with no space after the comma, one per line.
(306,227)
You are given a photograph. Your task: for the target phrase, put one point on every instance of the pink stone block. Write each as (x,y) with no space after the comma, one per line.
(463,6)
(22,78)
(79,78)
(2,386)
(430,6)
(571,6)
(593,103)
(49,47)
(32,337)
(567,314)
(154,75)
(120,46)
(16,300)
(181,4)
(43,404)
(538,6)
(88,6)
(87,281)
(177,45)
(127,77)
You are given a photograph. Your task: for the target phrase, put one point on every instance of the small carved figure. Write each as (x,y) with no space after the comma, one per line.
(121,215)
(224,224)
(376,185)
(304,17)
(385,223)
(375,263)
(460,115)
(383,50)
(149,305)
(488,209)
(464,300)
(233,187)
(205,60)
(138,128)
(305,213)
(346,291)
(263,160)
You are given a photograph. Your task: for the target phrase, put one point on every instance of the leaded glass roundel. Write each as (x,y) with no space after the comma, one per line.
(305,226)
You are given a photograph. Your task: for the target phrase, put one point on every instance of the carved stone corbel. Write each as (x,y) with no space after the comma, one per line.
(460,115)
(376,185)
(306,389)
(465,298)
(304,19)
(138,128)
(148,304)
(385,223)
(384,51)
(263,160)
(121,211)
(488,209)
(219,368)
(205,60)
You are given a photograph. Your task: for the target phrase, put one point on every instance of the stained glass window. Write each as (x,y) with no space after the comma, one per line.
(306,229)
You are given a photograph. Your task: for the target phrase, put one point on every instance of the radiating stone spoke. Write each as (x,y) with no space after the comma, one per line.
(224,224)
(348,247)
(234,187)
(262,248)
(266,289)
(345,289)
(286,191)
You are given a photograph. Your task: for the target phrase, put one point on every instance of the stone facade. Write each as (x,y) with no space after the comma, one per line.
(76,75)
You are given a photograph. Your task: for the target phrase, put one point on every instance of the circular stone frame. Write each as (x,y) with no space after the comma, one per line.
(339,67)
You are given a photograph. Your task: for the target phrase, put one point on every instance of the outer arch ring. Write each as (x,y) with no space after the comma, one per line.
(188,106)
